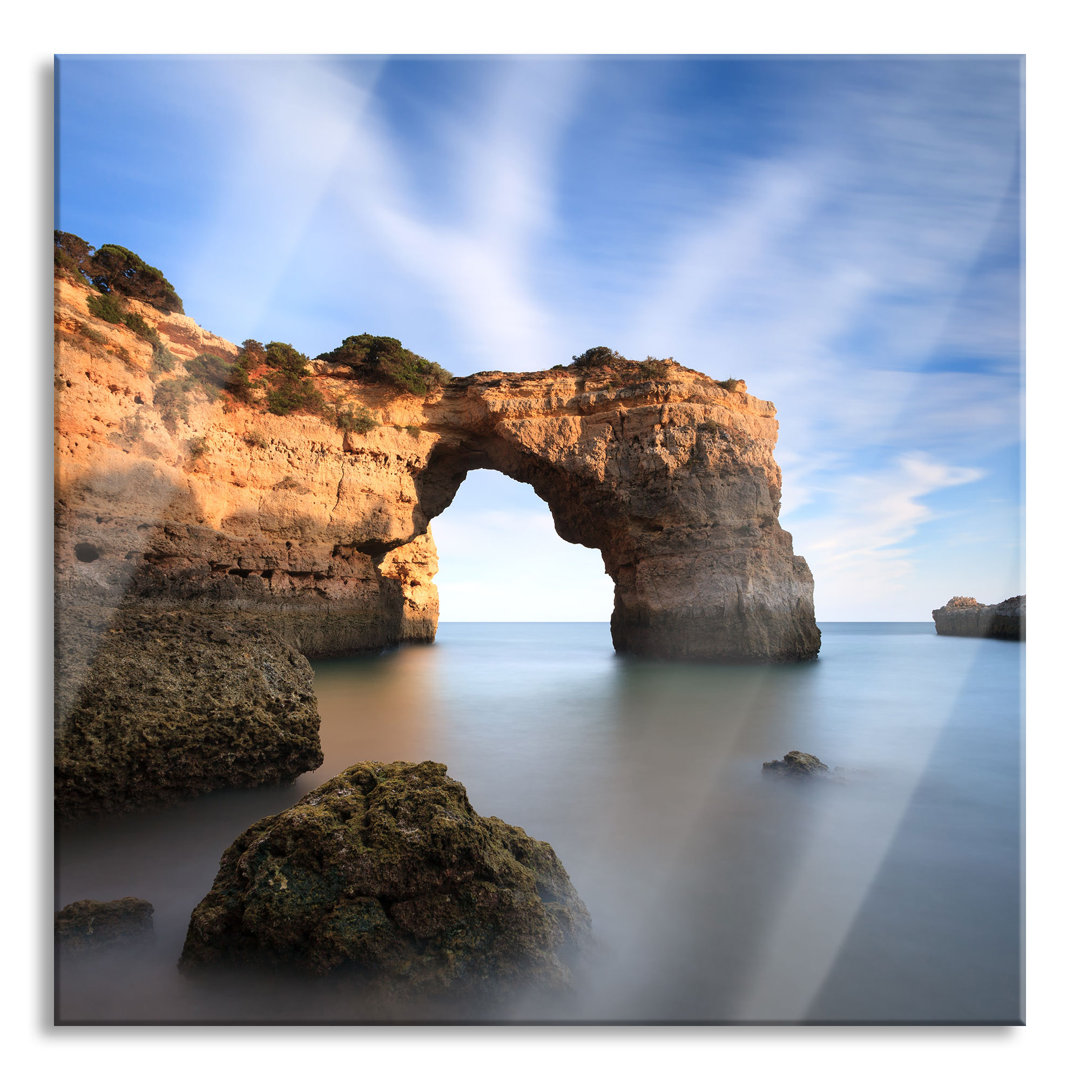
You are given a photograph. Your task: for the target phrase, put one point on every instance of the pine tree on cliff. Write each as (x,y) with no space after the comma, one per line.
(114,269)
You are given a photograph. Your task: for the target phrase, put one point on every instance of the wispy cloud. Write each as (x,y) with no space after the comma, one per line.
(479,266)
(857,549)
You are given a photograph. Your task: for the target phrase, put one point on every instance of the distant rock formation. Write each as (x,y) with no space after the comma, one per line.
(386,871)
(91,924)
(963,616)
(796,763)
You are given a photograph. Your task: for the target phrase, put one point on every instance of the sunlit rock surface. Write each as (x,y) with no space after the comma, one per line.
(963,616)
(288,527)
(386,871)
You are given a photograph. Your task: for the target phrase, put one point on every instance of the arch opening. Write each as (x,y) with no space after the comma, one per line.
(502,560)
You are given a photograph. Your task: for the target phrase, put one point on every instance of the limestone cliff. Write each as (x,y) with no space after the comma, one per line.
(963,616)
(318,538)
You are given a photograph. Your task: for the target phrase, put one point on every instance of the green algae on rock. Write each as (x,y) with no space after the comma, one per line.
(386,871)
(177,703)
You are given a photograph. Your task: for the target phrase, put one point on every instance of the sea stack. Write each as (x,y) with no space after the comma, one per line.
(963,616)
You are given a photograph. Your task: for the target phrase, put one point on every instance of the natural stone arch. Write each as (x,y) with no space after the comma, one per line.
(199,561)
(679,494)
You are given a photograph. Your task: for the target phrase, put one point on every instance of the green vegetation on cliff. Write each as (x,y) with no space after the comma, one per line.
(112,270)
(385,359)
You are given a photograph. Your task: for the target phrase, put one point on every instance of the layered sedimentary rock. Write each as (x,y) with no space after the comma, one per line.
(963,616)
(386,871)
(313,539)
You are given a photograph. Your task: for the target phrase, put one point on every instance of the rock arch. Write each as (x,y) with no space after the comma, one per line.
(673,482)
(236,543)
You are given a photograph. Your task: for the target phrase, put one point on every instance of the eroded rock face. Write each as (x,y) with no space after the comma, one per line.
(320,537)
(964,616)
(93,924)
(386,871)
(671,477)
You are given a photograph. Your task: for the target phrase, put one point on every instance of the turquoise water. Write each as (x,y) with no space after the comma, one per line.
(889,892)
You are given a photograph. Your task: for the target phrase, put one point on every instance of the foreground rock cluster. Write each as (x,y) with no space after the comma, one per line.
(387,872)
(963,616)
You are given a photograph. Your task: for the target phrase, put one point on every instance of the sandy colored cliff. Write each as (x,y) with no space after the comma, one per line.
(318,538)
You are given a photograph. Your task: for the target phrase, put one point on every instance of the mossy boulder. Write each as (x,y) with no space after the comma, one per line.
(90,924)
(386,871)
(796,763)
(177,703)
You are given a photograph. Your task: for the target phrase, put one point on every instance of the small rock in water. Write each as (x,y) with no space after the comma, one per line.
(796,763)
(89,924)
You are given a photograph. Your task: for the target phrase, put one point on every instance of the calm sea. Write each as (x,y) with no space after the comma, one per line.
(891,891)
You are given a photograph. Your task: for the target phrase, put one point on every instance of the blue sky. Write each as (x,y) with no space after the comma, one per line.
(844,234)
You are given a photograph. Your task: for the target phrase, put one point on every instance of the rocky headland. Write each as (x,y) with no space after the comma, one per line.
(963,616)
(223,514)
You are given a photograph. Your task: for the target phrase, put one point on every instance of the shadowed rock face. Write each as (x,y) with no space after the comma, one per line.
(387,871)
(93,924)
(964,616)
(292,529)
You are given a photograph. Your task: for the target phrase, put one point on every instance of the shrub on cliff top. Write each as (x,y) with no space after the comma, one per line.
(114,269)
(70,252)
(252,354)
(290,388)
(387,360)
(652,368)
(283,357)
(599,356)
(238,379)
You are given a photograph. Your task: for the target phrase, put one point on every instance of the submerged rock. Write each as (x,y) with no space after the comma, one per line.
(90,924)
(796,763)
(387,871)
(964,616)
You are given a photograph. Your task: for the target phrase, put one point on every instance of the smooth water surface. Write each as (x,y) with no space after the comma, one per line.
(890,891)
